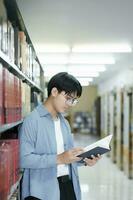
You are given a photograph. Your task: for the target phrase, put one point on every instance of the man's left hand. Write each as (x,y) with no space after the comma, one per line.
(93,161)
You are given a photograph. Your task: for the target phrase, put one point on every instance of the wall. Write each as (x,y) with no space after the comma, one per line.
(121,79)
(86,101)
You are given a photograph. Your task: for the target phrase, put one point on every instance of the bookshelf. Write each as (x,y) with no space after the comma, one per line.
(14,191)
(15,70)
(21,83)
(6,127)
(128,132)
(15,17)
(119,134)
(121,126)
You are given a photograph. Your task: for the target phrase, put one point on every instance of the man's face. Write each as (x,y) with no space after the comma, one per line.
(63,101)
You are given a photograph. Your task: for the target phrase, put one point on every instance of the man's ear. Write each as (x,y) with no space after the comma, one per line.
(54,92)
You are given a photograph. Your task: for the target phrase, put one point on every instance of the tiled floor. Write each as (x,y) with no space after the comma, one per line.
(104,181)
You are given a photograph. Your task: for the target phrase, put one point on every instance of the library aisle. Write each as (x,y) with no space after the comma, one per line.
(104,181)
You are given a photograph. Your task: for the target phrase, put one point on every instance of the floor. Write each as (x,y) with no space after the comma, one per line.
(104,181)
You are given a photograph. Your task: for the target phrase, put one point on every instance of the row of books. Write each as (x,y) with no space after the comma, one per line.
(13,43)
(117,119)
(30,99)
(9,166)
(16,98)
(26,58)
(10,97)
(26,99)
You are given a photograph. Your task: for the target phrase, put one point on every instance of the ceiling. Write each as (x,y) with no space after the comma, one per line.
(74,22)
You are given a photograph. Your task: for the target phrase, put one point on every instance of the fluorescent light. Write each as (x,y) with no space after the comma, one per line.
(84,83)
(74,59)
(51,73)
(53,59)
(55,67)
(48,71)
(84,79)
(77,71)
(87,68)
(84,73)
(52,48)
(102,48)
(81,48)
(98,60)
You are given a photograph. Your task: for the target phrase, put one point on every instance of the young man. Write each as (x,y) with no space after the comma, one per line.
(47,154)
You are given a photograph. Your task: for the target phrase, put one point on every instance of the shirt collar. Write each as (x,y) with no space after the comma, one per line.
(42,110)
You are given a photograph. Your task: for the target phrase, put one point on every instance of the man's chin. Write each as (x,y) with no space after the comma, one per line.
(64,110)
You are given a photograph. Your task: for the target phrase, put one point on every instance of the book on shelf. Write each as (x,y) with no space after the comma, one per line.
(9,165)
(100,147)
(17,47)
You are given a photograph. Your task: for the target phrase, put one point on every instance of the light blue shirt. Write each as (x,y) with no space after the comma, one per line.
(38,153)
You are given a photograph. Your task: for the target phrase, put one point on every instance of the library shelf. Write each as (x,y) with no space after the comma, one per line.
(7,127)
(14,188)
(15,70)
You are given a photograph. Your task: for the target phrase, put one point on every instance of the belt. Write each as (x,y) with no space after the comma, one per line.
(64,179)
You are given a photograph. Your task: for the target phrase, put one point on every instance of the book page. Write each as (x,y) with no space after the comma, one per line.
(101,143)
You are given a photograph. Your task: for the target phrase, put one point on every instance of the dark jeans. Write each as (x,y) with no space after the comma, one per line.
(66,190)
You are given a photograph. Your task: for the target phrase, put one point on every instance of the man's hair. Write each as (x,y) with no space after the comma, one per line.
(65,82)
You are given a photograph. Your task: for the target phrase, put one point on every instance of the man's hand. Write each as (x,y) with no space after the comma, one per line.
(93,161)
(69,156)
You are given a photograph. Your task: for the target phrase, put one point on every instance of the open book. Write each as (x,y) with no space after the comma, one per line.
(100,147)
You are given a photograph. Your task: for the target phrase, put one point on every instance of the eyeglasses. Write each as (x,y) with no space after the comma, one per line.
(70,100)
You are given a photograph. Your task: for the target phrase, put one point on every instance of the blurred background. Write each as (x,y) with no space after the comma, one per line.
(92,40)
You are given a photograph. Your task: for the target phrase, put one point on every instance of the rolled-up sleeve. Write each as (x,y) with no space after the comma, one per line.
(28,157)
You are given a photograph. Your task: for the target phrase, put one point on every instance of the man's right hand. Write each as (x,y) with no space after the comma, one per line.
(69,156)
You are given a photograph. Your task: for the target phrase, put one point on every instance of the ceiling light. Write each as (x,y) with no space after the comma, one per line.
(86,79)
(53,59)
(84,83)
(98,60)
(75,59)
(55,67)
(50,74)
(52,48)
(50,71)
(84,73)
(87,68)
(102,48)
